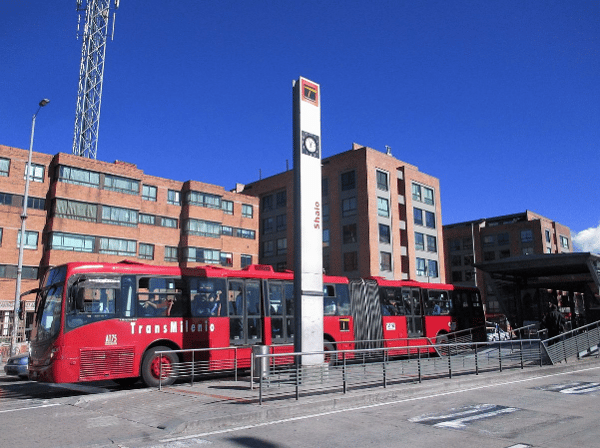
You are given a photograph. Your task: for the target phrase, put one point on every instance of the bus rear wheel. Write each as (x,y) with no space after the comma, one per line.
(329,358)
(154,365)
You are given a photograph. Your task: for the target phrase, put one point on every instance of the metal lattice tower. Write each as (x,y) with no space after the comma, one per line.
(91,74)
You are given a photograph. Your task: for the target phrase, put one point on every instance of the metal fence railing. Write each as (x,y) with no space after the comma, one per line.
(578,342)
(376,367)
(279,374)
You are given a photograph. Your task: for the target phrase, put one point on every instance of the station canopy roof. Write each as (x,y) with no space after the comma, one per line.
(567,272)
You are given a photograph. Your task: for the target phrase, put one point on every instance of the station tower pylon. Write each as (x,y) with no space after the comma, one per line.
(91,73)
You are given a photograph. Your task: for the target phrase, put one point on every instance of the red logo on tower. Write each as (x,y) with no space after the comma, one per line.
(310,92)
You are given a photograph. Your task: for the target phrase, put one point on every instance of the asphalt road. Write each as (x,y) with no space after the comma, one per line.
(549,408)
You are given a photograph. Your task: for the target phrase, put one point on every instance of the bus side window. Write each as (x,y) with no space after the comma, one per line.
(329,301)
(127,291)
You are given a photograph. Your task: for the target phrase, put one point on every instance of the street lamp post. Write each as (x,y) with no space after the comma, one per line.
(15,326)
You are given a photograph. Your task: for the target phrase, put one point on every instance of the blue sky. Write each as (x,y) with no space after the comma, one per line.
(500,100)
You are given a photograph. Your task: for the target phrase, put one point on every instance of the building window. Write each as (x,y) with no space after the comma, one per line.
(421,269)
(36,173)
(489,240)
(504,253)
(4,167)
(168,222)
(383,207)
(72,242)
(173,197)
(382,180)
(36,203)
(325,237)
(281,223)
(324,187)
(432,268)
(489,256)
(281,199)
(226,259)
(526,236)
(119,216)
(267,203)
(246,233)
(503,239)
(384,234)
(428,196)
(385,260)
(430,220)
(81,211)
(468,260)
(350,261)
(349,207)
(227,206)
(456,276)
(206,200)
(282,246)
(31,240)
(78,176)
(547,235)
(268,225)
(227,230)
(149,193)
(325,212)
(416,192)
(564,242)
(422,194)
(527,250)
(171,253)
(419,241)
(349,233)
(0,236)
(247,211)
(121,184)
(200,255)
(146,251)
(431,244)
(456,260)
(147,219)
(245,260)
(455,245)
(117,246)
(348,181)
(203,228)
(418,216)
(268,248)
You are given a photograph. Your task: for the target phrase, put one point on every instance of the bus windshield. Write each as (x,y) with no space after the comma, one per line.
(48,306)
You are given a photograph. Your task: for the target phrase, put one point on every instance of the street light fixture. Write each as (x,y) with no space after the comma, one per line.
(15,326)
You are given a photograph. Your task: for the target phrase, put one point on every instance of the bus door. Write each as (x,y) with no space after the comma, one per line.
(412,305)
(244,306)
(281,310)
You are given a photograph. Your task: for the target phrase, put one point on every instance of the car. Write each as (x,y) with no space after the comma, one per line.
(18,365)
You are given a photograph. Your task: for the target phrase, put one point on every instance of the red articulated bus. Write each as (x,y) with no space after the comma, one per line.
(99,321)
(412,313)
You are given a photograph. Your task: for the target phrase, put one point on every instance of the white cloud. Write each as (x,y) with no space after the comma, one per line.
(588,240)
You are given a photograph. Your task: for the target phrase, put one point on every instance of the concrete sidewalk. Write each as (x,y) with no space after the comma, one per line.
(218,404)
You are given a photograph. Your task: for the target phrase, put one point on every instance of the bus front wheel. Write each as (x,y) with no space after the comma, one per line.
(157,367)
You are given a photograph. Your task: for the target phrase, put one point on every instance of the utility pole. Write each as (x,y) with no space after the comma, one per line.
(91,74)
(15,326)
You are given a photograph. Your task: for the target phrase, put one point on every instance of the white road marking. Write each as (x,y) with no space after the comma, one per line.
(30,408)
(370,406)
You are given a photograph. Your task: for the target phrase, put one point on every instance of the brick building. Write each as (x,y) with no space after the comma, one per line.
(381,217)
(82,209)
(496,238)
